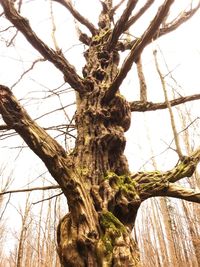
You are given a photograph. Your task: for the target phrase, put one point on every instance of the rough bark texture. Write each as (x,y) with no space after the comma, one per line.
(102,240)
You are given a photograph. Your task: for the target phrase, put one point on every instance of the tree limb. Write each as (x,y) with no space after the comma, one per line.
(4,127)
(138,47)
(30,189)
(46,199)
(165,29)
(173,25)
(140,106)
(117,6)
(150,184)
(119,27)
(169,107)
(142,81)
(185,168)
(42,144)
(177,191)
(77,15)
(138,15)
(57,58)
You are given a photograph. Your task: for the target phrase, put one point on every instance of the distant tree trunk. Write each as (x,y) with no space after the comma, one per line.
(173,261)
(22,238)
(193,230)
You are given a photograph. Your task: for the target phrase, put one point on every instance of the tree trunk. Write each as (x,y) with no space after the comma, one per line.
(97,231)
(22,238)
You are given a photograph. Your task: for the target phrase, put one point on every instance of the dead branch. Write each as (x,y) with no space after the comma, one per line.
(140,106)
(47,199)
(4,127)
(27,71)
(77,15)
(6,205)
(52,187)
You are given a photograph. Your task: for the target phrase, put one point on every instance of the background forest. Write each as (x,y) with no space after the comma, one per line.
(31,204)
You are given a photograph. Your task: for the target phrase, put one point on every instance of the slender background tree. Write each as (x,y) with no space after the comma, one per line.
(102,192)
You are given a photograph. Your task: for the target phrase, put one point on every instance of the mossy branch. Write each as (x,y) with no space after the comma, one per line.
(161,183)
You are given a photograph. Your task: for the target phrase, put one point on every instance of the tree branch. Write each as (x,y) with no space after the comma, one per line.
(117,6)
(185,168)
(138,15)
(46,199)
(4,127)
(142,81)
(30,189)
(43,145)
(77,15)
(177,191)
(138,47)
(57,58)
(150,184)
(173,25)
(119,27)
(172,119)
(140,106)
(165,29)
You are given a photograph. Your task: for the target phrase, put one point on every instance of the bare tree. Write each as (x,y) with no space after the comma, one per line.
(102,194)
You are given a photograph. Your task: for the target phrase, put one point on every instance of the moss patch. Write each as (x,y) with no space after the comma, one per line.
(124,183)
(113,229)
(111,224)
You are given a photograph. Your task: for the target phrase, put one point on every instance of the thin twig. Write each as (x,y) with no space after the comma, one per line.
(45,199)
(176,137)
(52,187)
(5,207)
